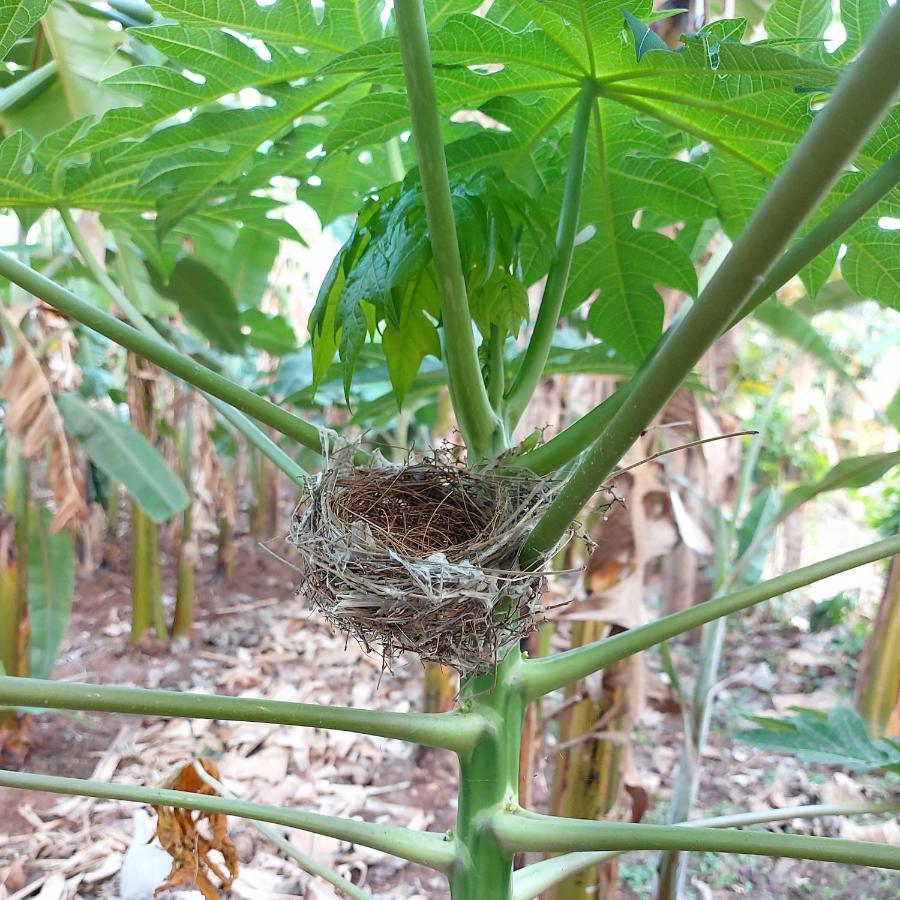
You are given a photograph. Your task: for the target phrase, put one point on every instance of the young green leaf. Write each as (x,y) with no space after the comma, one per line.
(405,349)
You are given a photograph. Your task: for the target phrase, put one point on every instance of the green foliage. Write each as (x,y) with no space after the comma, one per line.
(126,456)
(206,301)
(384,276)
(848,473)
(51,581)
(832,612)
(17,19)
(839,739)
(330,94)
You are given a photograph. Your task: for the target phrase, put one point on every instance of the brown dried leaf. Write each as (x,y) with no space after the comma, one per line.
(883,833)
(179,832)
(32,416)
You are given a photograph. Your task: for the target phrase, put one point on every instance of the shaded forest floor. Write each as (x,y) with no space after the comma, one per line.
(253,638)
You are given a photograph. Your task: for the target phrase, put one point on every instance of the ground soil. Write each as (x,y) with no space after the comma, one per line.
(253,637)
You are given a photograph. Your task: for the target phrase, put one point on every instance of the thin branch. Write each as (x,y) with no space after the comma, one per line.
(541,876)
(304,860)
(458,732)
(427,849)
(520,392)
(477,420)
(540,676)
(687,446)
(155,350)
(525,832)
(578,436)
(254,435)
(860,101)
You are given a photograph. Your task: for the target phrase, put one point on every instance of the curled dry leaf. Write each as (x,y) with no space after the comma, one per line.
(883,833)
(32,416)
(179,832)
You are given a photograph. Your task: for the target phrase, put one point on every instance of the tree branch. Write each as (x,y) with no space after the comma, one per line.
(427,849)
(526,379)
(458,732)
(254,435)
(524,831)
(540,676)
(155,350)
(543,875)
(477,420)
(874,188)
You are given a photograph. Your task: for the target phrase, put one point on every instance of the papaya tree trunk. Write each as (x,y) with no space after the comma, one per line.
(140,578)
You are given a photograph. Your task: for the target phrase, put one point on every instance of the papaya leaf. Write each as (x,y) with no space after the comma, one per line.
(17,18)
(840,740)
(206,301)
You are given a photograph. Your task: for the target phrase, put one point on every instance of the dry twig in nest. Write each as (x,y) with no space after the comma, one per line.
(422,558)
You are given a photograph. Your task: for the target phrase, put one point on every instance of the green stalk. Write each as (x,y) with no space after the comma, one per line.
(477,420)
(155,350)
(543,875)
(157,613)
(520,392)
(540,676)
(488,784)
(236,419)
(496,373)
(874,188)
(524,831)
(568,444)
(459,732)
(860,101)
(26,88)
(183,618)
(425,848)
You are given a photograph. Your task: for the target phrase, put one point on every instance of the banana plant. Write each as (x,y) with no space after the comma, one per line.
(583,119)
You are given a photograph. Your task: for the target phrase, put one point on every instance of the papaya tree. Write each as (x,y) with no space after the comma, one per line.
(562,145)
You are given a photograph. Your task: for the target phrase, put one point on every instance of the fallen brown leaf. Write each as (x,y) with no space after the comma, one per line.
(178,831)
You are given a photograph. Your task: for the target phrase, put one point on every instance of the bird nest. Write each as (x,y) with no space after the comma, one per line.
(423,558)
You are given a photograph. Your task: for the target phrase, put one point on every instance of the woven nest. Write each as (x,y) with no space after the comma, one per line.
(422,558)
